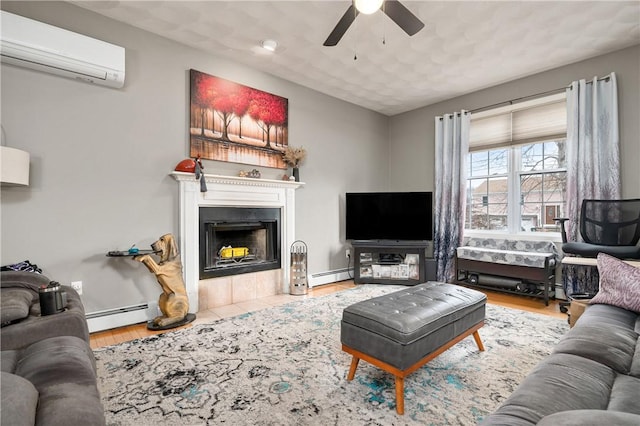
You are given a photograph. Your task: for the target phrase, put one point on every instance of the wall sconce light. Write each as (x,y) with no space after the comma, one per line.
(14,166)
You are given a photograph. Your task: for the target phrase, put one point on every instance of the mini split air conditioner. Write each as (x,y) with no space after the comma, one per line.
(39,46)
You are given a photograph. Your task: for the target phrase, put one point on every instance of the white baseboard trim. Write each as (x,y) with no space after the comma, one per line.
(120,317)
(328,277)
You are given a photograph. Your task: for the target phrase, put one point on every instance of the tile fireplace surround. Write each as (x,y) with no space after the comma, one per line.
(230,191)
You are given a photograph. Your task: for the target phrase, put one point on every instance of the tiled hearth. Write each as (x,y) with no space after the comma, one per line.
(230,191)
(216,292)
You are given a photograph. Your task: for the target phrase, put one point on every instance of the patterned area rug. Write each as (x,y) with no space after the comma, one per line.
(285,366)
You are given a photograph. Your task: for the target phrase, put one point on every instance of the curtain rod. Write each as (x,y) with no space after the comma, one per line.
(529,97)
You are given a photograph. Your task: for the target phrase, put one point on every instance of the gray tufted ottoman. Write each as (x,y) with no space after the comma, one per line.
(401,331)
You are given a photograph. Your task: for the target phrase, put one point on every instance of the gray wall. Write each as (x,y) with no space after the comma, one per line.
(100,158)
(411,135)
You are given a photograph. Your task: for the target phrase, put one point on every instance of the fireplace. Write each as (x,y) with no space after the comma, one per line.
(237,240)
(234,192)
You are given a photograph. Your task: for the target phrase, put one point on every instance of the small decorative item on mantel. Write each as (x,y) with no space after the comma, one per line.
(191,165)
(294,157)
(254,174)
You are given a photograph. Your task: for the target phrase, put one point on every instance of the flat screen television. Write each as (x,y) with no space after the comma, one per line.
(399,216)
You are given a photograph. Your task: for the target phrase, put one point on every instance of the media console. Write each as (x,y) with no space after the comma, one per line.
(392,262)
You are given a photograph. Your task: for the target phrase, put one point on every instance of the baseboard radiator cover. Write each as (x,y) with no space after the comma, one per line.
(328,277)
(122,316)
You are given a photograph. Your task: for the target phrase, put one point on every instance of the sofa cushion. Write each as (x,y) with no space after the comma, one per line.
(15,304)
(624,394)
(21,279)
(611,316)
(62,369)
(19,400)
(8,360)
(590,418)
(619,284)
(635,364)
(607,345)
(559,382)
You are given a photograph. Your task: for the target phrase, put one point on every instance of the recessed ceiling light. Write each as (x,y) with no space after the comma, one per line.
(269,45)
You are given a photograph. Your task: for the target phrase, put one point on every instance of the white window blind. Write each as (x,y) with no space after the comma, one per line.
(531,121)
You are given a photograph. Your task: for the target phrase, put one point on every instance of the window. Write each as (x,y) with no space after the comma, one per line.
(516,175)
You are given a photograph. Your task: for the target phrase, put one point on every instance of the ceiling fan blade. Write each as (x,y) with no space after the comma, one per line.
(402,16)
(343,25)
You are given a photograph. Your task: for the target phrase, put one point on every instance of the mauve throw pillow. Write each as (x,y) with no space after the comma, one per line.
(619,284)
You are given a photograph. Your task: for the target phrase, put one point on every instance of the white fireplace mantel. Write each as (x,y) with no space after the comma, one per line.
(230,191)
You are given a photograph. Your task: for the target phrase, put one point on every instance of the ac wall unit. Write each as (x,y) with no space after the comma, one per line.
(39,46)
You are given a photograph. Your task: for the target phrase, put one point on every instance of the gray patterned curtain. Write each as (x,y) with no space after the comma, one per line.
(593,161)
(452,147)
(593,145)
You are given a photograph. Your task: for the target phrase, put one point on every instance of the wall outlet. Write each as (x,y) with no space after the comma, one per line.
(347,253)
(77,286)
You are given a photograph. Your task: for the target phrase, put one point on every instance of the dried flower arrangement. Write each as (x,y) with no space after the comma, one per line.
(293,157)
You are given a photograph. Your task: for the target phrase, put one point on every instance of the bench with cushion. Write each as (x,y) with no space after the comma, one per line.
(485,262)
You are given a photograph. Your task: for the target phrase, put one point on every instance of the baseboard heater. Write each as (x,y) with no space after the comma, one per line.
(119,317)
(330,276)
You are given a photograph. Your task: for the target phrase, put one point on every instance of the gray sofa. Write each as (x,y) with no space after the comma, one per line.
(22,323)
(592,377)
(48,373)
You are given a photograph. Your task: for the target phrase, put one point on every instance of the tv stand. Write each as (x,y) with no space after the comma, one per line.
(392,262)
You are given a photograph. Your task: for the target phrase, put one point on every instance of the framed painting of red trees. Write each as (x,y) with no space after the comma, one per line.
(236,123)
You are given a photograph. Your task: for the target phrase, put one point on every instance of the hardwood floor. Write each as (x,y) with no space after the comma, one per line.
(124,334)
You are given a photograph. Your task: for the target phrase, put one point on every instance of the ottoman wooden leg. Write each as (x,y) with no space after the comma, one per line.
(476,337)
(352,369)
(400,395)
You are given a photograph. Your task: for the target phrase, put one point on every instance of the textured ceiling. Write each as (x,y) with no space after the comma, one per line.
(464,47)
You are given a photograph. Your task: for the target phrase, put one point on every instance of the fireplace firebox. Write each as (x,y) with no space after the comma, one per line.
(238,240)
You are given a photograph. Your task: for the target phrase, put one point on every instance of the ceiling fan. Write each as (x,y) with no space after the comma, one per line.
(392,8)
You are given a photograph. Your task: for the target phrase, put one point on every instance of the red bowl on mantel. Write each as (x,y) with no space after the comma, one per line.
(188,165)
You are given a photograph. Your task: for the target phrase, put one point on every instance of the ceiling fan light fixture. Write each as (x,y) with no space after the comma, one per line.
(270,45)
(399,14)
(368,6)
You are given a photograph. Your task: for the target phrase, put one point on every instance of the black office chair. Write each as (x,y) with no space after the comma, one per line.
(606,226)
